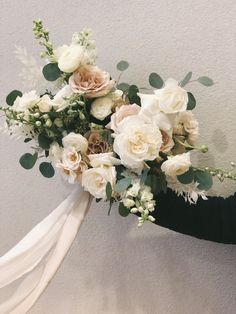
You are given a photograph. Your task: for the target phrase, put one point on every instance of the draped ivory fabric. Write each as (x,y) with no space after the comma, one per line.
(31,264)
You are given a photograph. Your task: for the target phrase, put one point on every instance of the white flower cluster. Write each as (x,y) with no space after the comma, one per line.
(139,199)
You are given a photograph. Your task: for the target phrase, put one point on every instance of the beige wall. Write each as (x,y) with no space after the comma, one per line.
(113,267)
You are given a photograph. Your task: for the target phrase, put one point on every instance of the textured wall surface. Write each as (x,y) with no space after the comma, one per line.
(113,267)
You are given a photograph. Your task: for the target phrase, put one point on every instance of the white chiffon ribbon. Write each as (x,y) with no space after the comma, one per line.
(30,265)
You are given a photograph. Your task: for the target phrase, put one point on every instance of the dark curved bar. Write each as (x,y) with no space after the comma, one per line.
(213,219)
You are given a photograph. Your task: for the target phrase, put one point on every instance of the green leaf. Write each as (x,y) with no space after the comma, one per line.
(108,190)
(186,79)
(191,101)
(28,139)
(157,182)
(155,80)
(11,97)
(123,86)
(144,175)
(51,72)
(204,179)
(132,95)
(122,65)
(44,141)
(123,211)
(46,169)
(206,81)
(122,184)
(186,177)
(28,160)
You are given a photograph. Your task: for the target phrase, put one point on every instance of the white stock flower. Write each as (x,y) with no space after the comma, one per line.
(60,98)
(55,152)
(102,107)
(176,165)
(72,57)
(77,141)
(106,159)
(137,141)
(25,102)
(94,180)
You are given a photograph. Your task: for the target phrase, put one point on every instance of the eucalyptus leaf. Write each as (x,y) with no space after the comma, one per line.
(51,72)
(206,81)
(187,177)
(204,180)
(28,160)
(122,184)
(123,86)
(123,211)
(122,65)
(155,80)
(191,101)
(108,190)
(186,79)
(46,169)
(11,97)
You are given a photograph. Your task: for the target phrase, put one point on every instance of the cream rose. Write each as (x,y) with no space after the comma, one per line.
(94,180)
(176,165)
(121,113)
(137,141)
(91,81)
(70,158)
(172,98)
(77,141)
(72,57)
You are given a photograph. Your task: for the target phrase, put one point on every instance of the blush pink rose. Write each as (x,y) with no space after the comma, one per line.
(91,81)
(121,113)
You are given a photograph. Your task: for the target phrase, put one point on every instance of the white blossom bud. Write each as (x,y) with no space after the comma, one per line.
(38,123)
(151,218)
(48,123)
(134,210)
(36,115)
(128,202)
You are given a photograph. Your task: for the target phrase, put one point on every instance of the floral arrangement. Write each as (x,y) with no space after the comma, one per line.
(120,142)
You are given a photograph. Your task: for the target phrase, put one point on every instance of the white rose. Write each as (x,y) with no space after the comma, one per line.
(45,104)
(176,165)
(102,107)
(59,51)
(172,98)
(25,102)
(77,141)
(55,152)
(106,159)
(59,100)
(137,141)
(70,158)
(72,57)
(94,180)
